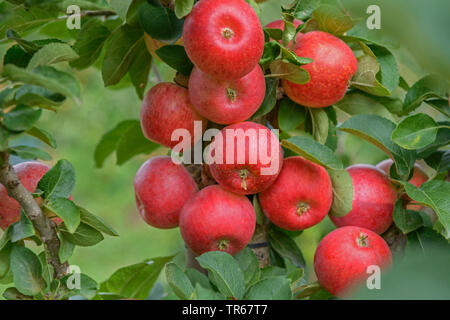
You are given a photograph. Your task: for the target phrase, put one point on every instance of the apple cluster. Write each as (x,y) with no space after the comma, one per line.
(225,41)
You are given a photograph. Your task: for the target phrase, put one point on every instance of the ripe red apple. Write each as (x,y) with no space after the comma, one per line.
(343,255)
(300,197)
(419,177)
(227,101)
(254,158)
(333,66)
(161,189)
(217,220)
(374,198)
(167,107)
(223,38)
(279,24)
(29,173)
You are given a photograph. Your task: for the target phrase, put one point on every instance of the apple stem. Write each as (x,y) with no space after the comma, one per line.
(227,33)
(231,94)
(243,174)
(362,240)
(302,208)
(223,245)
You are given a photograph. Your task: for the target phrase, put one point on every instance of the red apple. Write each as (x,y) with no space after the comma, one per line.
(333,66)
(279,24)
(250,155)
(217,220)
(223,38)
(300,197)
(227,101)
(374,198)
(343,256)
(29,173)
(161,189)
(165,108)
(419,177)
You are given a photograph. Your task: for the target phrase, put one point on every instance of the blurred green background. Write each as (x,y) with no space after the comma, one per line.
(421,27)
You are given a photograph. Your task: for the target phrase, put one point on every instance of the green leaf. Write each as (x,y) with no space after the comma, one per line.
(27,271)
(333,20)
(47,77)
(224,273)
(271,49)
(7,97)
(319,119)
(90,42)
(183,8)
(416,132)
(59,181)
(88,286)
(290,115)
(176,57)
(196,277)
(96,222)
(249,264)
(286,70)
(356,102)
(201,293)
(133,143)
(442,139)
(32,95)
(368,73)
(430,86)
(439,161)
(110,140)
(274,288)
(26,152)
(22,229)
(66,248)
(433,194)
(14,294)
(140,70)
(178,281)
(406,220)
(441,105)
(66,210)
(42,135)
(21,118)
(313,151)
(121,7)
(286,247)
(52,53)
(270,98)
(135,281)
(342,192)
(160,22)
(5,254)
(378,130)
(388,75)
(17,56)
(304,8)
(84,235)
(121,51)
(272,271)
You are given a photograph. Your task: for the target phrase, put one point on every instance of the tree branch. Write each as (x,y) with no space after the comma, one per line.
(44,227)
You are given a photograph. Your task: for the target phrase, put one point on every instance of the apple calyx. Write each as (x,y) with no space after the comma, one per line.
(223,244)
(231,94)
(362,240)
(302,208)
(243,174)
(227,33)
